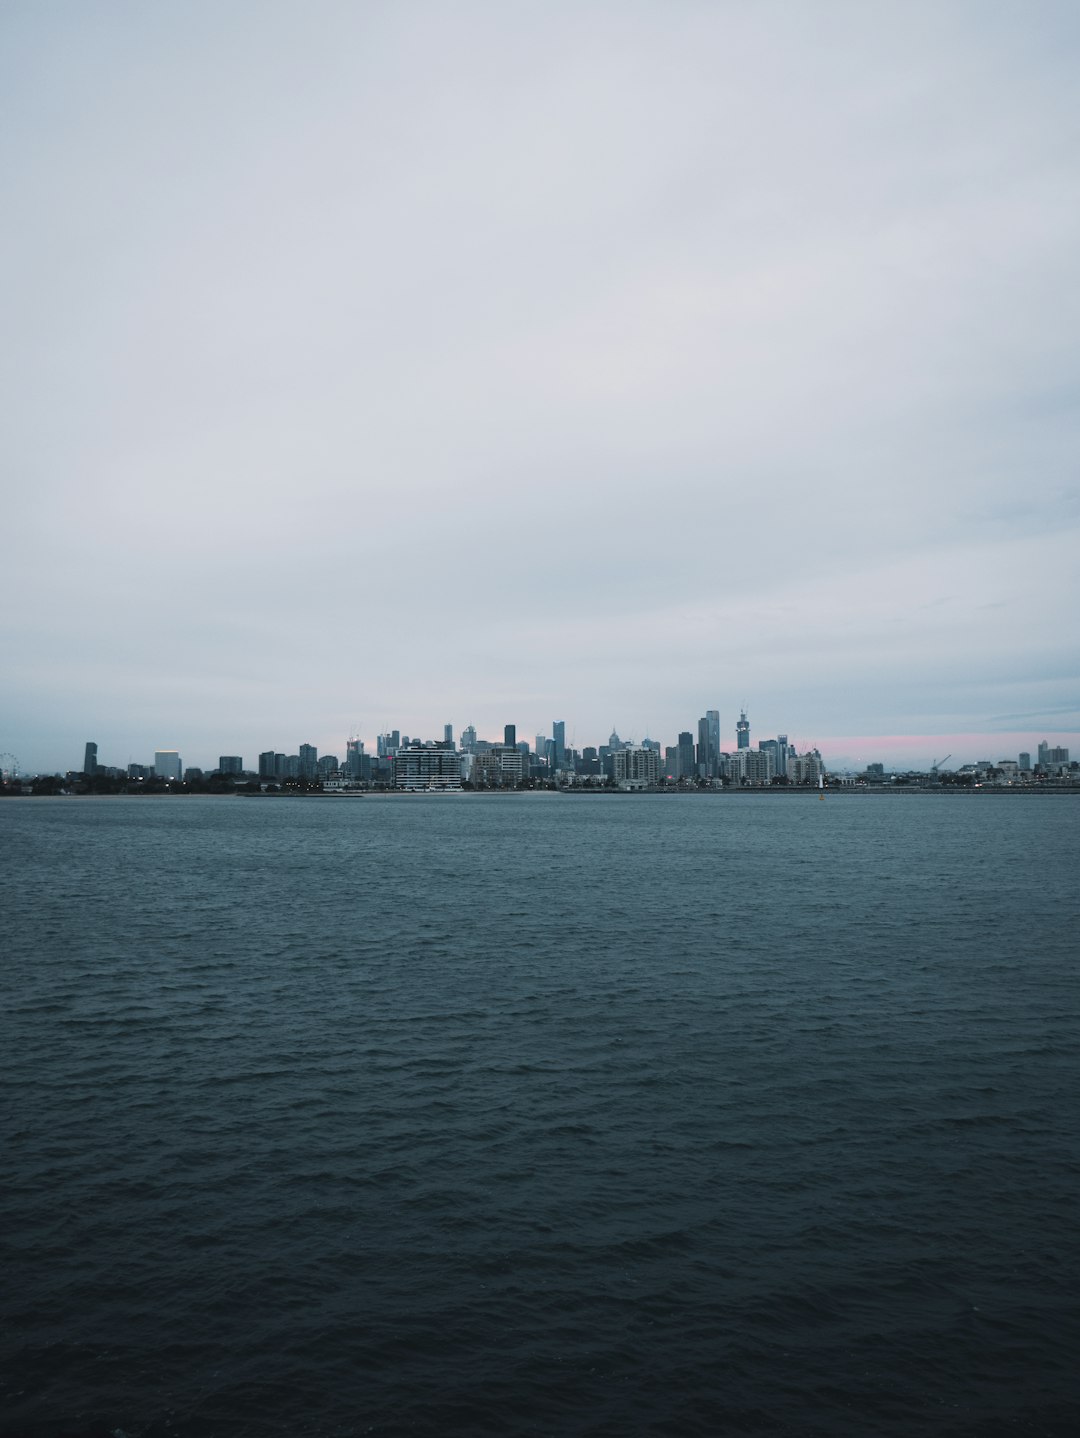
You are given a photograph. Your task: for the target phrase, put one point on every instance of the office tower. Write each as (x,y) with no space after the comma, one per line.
(354,758)
(768,747)
(712,717)
(1025,763)
(687,760)
(468,739)
(742,730)
(281,766)
(167,764)
(90,758)
(266,764)
(558,734)
(510,736)
(671,761)
(1044,754)
(230,764)
(703,748)
(538,747)
(448,733)
(781,753)
(327,765)
(309,761)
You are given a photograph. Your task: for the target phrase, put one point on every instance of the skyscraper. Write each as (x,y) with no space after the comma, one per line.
(742,730)
(713,718)
(309,761)
(558,733)
(687,760)
(90,758)
(448,733)
(167,764)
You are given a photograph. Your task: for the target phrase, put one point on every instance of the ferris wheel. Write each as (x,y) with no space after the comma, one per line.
(9,767)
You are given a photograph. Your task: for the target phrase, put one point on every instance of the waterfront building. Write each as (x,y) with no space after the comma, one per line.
(671,762)
(230,764)
(750,766)
(805,768)
(90,758)
(327,765)
(634,766)
(742,731)
(432,765)
(267,767)
(1025,763)
(499,766)
(309,761)
(167,764)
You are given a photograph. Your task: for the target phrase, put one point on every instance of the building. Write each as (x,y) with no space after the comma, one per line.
(468,739)
(497,766)
(558,734)
(769,748)
(686,758)
(742,731)
(634,766)
(448,734)
(309,761)
(432,765)
(267,767)
(230,764)
(806,768)
(750,766)
(712,719)
(354,758)
(167,764)
(90,758)
(1025,763)
(510,736)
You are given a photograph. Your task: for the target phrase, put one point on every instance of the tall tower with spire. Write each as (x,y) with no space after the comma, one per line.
(742,729)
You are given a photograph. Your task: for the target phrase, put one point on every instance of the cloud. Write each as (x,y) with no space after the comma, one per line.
(421,364)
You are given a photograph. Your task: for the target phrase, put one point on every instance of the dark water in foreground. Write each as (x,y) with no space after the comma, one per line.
(541,1115)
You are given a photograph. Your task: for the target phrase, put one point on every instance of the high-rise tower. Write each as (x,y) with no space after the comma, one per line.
(89,762)
(742,729)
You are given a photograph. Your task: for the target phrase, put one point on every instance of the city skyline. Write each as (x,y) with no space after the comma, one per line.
(895,752)
(379,366)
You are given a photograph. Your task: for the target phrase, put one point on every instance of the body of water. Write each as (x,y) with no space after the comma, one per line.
(536,1114)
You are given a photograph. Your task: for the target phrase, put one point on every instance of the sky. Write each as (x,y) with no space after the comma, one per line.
(387,366)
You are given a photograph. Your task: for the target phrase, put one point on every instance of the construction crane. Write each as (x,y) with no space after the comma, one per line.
(936,765)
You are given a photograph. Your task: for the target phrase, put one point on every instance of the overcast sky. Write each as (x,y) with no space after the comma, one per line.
(383,366)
